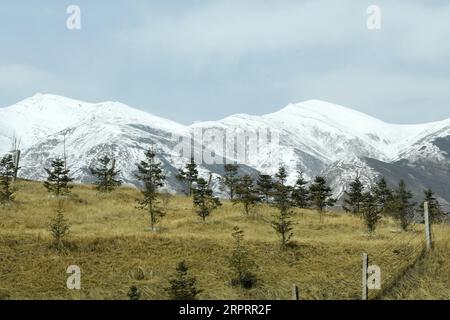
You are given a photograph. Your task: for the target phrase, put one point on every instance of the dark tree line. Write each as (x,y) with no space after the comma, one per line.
(372,203)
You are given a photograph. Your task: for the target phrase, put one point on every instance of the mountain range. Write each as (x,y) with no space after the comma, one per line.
(315,137)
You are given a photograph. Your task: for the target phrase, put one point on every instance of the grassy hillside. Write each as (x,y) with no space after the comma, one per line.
(109,241)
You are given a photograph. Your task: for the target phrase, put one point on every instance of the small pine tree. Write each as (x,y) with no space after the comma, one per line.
(188,176)
(281,176)
(282,223)
(183,286)
(240,262)
(403,206)
(434,207)
(58,179)
(300,194)
(106,176)
(383,195)
(230,179)
(7,172)
(371,211)
(151,175)
(59,229)
(321,195)
(265,186)
(134,293)
(246,194)
(354,197)
(204,200)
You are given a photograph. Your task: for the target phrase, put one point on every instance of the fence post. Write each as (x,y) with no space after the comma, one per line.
(365,266)
(427,226)
(295,294)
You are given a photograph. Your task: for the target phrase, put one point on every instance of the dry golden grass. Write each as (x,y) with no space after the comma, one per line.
(109,242)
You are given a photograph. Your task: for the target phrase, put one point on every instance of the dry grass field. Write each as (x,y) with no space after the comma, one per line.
(108,240)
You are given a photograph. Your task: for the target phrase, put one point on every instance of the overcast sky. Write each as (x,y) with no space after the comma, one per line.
(204,60)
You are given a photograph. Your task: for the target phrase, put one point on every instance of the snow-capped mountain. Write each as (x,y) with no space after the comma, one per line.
(50,126)
(318,137)
(314,137)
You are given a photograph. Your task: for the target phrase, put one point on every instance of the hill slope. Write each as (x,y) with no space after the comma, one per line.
(108,241)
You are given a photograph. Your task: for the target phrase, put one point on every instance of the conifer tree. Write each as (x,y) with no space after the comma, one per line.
(230,179)
(300,194)
(282,222)
(152,177)
(241,263)
(321,195)
(403,206)
(204,200)
(106,175)
(434,207)
(134,293)
(182,285)
(7,172)
(354,197)
(58,178)
(188,176)
(265,186)
(371,211)
(246,194)
(59,228)
(281,176)
(383,195)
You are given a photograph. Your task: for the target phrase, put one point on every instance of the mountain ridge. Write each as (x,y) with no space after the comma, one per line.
(315,137)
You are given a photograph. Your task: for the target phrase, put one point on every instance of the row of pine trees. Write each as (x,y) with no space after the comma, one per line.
(371,204)
(380,200)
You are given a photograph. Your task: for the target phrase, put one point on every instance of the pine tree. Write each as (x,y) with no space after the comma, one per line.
(246,194)
(188,176)
(321,195)
(240,262)
(265,186)
(230,179)
(282,222)
(434,207)
(59,228)
(204,200)
(58,179)
(300,194)
(354,197)
(371,211)
(151,175)
(183,286)
(383,195)
(7,172)
(134,293)
(106,175)
(403,205)
(281,176)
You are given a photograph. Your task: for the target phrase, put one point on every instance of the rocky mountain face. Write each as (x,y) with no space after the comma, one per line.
(314,137)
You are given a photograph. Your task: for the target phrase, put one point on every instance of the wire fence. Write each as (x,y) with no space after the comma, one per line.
(394,253)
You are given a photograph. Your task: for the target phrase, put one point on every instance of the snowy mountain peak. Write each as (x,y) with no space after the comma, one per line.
(331,114)
(314,136)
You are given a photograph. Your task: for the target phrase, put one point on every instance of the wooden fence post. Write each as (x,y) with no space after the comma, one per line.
(427,226)
(365,266)
(295,294)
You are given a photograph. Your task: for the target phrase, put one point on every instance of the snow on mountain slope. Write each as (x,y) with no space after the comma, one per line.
(42,115)
(49,124)
(318,137)
(315,137)
(321,131)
